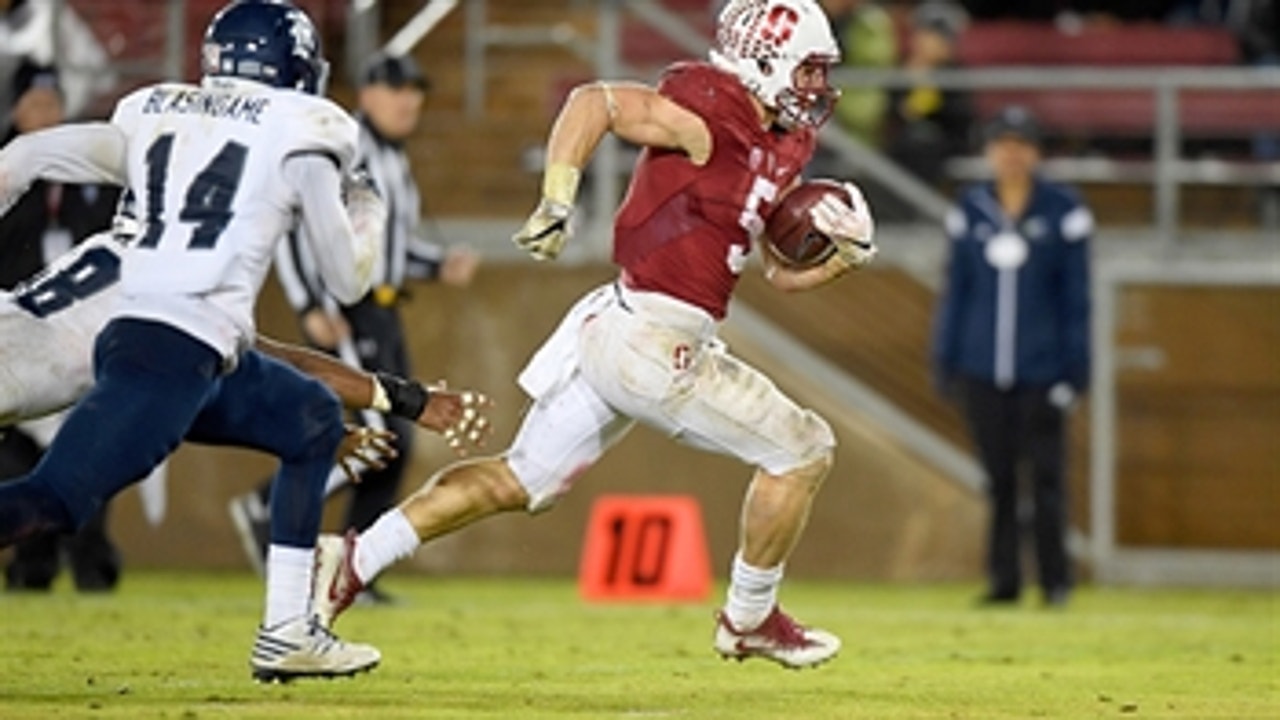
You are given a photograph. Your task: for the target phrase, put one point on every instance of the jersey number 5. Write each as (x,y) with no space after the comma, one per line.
(763,190)
(208,201)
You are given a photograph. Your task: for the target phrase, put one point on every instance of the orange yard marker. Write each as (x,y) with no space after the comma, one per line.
(645,547)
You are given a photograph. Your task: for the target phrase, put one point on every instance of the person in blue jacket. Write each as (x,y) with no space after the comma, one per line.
(1011,343)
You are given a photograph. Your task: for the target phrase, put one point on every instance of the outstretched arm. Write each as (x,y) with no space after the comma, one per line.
(459,416)
(354,387)
(80,153)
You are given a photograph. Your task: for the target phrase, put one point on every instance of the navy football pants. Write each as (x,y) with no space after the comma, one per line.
(156,385)
(1016,429)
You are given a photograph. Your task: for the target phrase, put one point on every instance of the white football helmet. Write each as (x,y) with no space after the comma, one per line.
(781,50)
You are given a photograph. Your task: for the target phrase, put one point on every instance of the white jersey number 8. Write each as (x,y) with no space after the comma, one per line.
(45,294)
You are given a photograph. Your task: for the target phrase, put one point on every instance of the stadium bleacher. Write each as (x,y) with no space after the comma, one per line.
(130,32)
(994,43)
(1203,114)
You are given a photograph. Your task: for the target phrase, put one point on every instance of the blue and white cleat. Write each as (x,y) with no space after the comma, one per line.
(301,648)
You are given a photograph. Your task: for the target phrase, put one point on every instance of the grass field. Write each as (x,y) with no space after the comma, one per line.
(176,646)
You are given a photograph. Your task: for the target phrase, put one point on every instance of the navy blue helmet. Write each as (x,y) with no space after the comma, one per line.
(269,41)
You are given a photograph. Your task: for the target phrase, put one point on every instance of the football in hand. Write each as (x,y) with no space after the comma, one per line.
(790,229)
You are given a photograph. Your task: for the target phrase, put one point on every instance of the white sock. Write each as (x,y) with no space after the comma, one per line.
(390,539)
(289,571)
(752,593)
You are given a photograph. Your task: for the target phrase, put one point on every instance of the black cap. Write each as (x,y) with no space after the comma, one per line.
(945,18)
(395,71)
(1013,121)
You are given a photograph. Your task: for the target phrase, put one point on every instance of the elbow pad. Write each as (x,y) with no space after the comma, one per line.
(13,180)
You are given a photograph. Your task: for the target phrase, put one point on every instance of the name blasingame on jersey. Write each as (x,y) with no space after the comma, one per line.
(192,101)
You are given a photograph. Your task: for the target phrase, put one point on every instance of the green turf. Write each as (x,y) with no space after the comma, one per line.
(177,646)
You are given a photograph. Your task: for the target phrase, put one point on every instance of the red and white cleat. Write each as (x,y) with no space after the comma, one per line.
(779,638)
(335,584)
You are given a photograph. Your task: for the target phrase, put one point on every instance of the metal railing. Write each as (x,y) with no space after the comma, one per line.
(1113,560)
(607,166)
(1167,170)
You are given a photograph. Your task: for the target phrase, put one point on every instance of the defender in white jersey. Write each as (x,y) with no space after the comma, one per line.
(48,324)
(219,171)
(46,335)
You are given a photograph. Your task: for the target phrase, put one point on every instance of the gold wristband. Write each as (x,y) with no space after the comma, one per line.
(381,401)
(560,183)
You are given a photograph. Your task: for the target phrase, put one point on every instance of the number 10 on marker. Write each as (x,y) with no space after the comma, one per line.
(640,545)
(645,547)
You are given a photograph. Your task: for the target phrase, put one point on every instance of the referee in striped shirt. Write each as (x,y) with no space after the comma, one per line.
(370,333)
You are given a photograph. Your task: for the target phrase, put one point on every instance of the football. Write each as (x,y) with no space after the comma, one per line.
(790,229)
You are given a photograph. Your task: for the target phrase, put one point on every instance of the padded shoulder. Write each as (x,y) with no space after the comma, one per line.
(708,91)
(316,125)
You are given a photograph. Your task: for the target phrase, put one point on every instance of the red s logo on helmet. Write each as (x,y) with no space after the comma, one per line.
(779,24)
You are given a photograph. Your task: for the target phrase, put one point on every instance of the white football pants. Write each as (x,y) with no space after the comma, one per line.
(622,356)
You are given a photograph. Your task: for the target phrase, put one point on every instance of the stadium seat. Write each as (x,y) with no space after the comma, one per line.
(1027,43)
(645,47)
(117,25)
(1132,113)
(1209,114)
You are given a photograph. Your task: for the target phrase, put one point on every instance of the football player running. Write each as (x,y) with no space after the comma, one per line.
(723,140)
(219,171)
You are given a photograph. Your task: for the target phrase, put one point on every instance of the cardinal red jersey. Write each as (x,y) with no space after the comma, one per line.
(685,230)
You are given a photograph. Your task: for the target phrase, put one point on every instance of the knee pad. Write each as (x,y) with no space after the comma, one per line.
(813,454)
(817,470)
(563,434)
(544,485)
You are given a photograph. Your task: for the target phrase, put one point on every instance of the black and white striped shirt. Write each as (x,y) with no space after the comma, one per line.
(405,252)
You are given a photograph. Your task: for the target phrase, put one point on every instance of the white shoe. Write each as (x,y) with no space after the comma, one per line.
(302,648)
(335,585)
(779,638)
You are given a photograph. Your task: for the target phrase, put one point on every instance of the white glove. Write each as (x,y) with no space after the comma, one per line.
(473,426)
(546,231)
(849,226)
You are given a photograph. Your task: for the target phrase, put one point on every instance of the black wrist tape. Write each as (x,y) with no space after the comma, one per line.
(408,397)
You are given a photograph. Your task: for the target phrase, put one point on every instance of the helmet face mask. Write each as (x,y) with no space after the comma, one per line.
(268,41)
(810,100)
(782,51)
